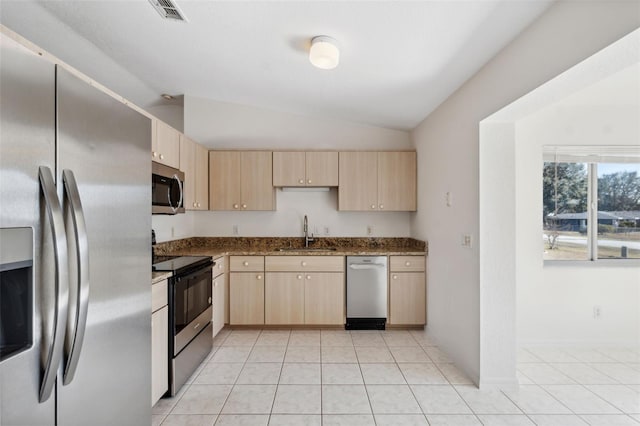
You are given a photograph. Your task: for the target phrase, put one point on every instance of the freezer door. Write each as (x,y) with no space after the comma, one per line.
(106,145)
(27,141)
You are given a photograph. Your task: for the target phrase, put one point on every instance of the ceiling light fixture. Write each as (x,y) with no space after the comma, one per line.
(324,52)
(167,96)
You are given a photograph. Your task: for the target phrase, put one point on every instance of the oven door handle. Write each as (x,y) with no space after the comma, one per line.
(78,324)
(60,282)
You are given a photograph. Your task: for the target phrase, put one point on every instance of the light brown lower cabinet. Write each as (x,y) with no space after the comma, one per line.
(219,295)
(407,298)
(159,351)
(284,298)
(246,298)
(294,298)
(159,340)
(324,298)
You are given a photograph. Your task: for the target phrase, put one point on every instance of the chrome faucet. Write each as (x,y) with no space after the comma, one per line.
(307,239)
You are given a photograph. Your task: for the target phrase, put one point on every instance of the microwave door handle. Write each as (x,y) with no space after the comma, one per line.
(61,283)
(177,179)
(177,206)
(73,341)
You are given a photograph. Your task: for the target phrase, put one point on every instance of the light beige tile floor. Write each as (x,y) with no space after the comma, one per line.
(395,377)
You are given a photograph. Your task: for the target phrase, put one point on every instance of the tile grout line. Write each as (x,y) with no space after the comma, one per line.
(237,378)
(364,383)
(275,394)
(409,386)
(548,363)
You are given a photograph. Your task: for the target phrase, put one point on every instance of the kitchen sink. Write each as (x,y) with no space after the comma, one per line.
(306,249)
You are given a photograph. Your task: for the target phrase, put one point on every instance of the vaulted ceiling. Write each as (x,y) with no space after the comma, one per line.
(399,59)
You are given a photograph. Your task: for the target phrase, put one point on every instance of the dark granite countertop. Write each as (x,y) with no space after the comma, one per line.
(268,246)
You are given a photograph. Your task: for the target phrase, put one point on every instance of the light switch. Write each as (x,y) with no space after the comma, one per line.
(448,197)
(466,240)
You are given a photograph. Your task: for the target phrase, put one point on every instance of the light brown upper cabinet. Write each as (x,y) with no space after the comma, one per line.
(294,168)
(165,144)
(241,180)
(377,181)
(194,162)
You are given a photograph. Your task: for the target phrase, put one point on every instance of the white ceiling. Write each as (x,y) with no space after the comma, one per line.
(399,59)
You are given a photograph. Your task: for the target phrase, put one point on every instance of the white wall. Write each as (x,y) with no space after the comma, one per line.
(466,322)
(556,299)
(173,115)
(321,209)
(220,125)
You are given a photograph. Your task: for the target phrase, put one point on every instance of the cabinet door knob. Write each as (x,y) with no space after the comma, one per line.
(407,263)
(162,156)
(259,277)
(235,206)
(154,154)
(373,206)
(308,277)
(301,181)
(299,277)
(309,181)
(198,204)
(245,263)
(381,206)
(244,206)
(395,277)
(303,263)
(195,205)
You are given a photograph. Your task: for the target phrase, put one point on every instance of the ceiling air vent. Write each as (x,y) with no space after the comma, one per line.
(168,9)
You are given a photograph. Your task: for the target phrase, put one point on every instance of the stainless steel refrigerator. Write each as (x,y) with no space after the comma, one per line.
(75,263)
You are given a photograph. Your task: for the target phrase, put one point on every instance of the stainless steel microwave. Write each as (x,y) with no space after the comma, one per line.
(167,186)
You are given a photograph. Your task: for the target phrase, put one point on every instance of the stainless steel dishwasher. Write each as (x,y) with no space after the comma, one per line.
(366,292)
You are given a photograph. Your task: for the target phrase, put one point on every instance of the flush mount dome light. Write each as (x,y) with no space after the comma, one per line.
(324,52)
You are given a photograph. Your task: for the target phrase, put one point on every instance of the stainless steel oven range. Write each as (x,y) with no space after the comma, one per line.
(190,312)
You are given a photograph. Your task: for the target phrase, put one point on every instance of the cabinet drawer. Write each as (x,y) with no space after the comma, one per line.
(246,263)
(220,267)
(304,263)
(406,263)
(159,295)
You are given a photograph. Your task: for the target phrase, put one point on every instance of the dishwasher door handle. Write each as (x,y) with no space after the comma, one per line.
(366,265)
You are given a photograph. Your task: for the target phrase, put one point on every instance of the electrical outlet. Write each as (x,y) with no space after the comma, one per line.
(466,240)
(448,198)
(173,232)
(235,230)
(326,230)
(369,229)
(597,312)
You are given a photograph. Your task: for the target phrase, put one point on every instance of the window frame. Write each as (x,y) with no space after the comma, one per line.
(590,155)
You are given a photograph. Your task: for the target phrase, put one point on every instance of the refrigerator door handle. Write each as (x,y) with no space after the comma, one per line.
(75,335)
(61,282)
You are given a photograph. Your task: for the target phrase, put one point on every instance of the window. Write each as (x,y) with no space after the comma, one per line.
(591,203)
